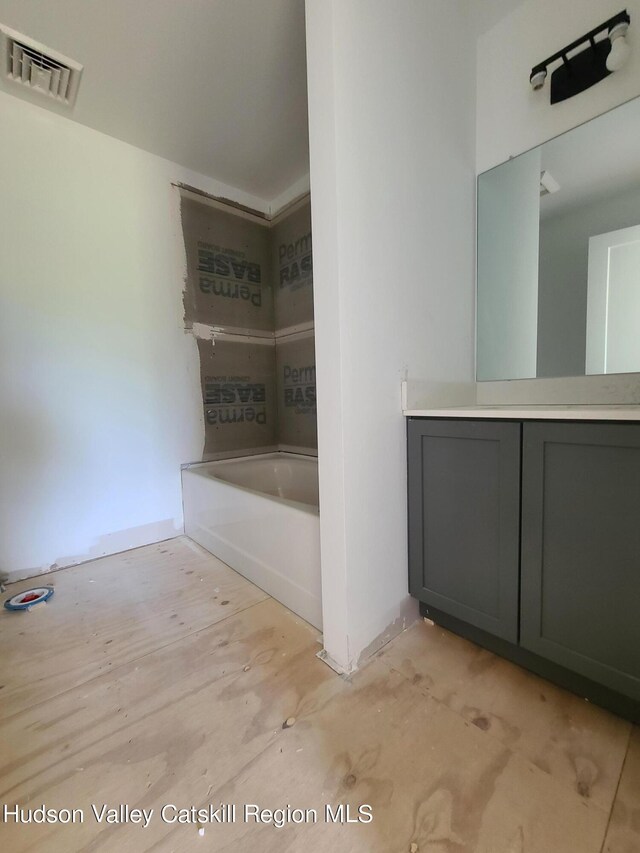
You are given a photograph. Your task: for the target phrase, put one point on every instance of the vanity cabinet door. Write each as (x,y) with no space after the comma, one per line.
(580,592)
(464,516)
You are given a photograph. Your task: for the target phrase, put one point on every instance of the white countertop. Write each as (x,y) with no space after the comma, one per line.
(555,413)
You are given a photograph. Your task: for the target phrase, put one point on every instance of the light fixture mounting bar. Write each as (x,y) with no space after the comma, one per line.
(620,18)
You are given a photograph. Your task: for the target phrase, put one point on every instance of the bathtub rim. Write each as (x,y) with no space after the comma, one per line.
(309,509)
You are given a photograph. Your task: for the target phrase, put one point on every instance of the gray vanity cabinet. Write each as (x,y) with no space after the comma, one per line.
(464,517)
(524,536)
(580,581)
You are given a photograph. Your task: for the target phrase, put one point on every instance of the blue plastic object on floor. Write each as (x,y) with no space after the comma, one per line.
(29,598)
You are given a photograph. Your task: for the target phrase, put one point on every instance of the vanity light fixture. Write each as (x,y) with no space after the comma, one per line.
(591,65)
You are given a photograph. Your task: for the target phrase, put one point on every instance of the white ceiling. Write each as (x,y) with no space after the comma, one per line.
(218,86)
(488,12)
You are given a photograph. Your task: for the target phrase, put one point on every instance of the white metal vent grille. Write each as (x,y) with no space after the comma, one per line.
(43,71)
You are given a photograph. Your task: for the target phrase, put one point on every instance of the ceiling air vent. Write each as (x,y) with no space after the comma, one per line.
(39,69)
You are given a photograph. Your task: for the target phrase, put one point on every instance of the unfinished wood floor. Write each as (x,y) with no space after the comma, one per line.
(160,676)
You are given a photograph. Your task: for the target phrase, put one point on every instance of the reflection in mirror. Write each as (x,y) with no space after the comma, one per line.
(559,255)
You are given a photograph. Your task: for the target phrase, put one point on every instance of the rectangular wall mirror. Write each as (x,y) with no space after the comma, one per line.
(559,255)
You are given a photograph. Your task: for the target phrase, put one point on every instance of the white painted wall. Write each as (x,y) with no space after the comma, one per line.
(511,118)
(392,189)
(99,386)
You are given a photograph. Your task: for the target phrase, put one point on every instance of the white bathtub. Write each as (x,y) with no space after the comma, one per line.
(259,514)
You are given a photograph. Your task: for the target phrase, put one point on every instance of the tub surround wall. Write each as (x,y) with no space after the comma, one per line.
(292,265)
(296,377)
(228,270)
(249,300)
(228,289)
(239,395)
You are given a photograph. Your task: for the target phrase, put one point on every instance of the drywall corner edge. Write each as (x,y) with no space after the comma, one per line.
(407,616)
(298,190)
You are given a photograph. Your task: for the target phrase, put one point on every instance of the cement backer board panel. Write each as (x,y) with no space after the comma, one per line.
(241,276)
(292,264)
(228,269)
(239,396)
(296,367)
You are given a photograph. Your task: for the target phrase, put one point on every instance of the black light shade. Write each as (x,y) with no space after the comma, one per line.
(580,72)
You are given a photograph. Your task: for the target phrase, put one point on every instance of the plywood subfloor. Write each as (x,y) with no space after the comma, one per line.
(161,677)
